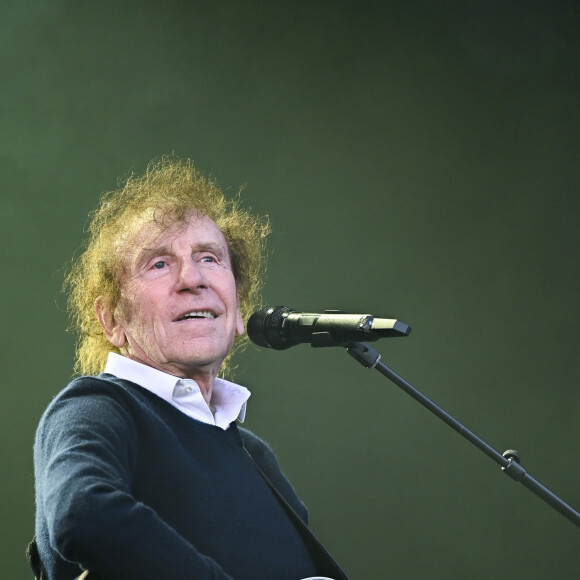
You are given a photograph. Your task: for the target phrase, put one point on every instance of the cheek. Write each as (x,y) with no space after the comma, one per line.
(126,306)
(134,313)
(139,302)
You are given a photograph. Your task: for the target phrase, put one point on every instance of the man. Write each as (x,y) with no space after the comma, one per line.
(141,470)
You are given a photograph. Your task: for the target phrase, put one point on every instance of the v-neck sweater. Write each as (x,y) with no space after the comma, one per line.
(129,487)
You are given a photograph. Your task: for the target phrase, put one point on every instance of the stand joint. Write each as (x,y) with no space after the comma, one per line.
(513,467)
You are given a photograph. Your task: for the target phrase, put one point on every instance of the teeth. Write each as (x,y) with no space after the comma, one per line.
(198,314)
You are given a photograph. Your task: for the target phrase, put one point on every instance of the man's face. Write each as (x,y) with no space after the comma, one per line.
(179,309)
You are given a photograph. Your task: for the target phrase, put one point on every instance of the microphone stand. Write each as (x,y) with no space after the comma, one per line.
(509,460)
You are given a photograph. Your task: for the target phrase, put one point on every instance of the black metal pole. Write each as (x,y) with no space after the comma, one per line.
(509,460)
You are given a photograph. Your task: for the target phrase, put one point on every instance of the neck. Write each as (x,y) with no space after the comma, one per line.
(205,386)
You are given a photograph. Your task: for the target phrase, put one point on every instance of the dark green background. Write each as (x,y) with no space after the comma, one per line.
(418,160)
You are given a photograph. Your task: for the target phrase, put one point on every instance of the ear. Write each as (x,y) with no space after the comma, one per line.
(114,330)
(239,321)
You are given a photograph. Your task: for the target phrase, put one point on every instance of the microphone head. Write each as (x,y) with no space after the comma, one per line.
(265,327)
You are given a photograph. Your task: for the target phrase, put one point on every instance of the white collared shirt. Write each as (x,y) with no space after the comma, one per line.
(228,400)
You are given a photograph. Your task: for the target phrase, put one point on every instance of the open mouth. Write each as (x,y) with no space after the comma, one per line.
(197,315)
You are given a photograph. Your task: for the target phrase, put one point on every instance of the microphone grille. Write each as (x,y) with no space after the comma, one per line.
(264,327)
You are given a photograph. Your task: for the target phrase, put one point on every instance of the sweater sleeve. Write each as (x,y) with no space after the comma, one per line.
(84,449)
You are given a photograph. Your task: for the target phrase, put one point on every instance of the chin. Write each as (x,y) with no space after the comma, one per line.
(201,360)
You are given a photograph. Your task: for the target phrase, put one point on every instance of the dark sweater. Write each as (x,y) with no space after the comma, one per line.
(131,488)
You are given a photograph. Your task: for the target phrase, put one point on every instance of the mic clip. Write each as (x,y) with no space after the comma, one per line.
(322,339)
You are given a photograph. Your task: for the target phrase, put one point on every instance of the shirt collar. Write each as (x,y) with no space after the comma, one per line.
(228,400)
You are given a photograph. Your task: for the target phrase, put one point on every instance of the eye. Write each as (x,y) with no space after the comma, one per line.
(208,259)
(159,265)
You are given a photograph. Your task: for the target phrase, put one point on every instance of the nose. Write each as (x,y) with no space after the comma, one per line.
(191,277)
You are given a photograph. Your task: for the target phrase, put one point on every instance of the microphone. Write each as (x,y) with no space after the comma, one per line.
(281,327)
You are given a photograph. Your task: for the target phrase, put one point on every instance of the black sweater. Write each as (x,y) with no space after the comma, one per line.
(131,488)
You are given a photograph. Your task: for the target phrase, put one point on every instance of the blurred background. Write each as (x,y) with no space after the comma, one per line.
(418,160)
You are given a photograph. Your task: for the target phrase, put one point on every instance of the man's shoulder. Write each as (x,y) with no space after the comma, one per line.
(254,443)
(90,394)
(91,386)
(260,451)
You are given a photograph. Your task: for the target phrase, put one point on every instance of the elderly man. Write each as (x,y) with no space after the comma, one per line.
(141,470)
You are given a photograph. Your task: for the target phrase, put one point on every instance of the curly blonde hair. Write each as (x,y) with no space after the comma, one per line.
(167,193)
